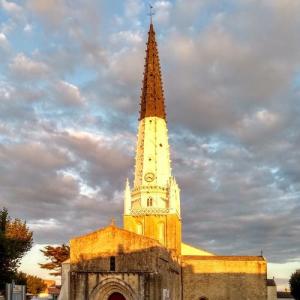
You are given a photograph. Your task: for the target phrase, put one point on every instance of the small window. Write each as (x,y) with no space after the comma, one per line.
(149,201)
(112,263)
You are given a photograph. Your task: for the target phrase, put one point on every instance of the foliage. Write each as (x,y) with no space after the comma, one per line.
(34,284)
(15,241)
(56,255)
(21,278)
(295,285)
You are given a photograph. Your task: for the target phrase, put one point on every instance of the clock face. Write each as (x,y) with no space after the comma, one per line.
(149,177)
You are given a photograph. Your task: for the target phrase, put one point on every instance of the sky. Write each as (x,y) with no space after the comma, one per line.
(70,82)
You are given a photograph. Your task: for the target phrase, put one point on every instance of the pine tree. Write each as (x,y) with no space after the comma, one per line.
(56,255)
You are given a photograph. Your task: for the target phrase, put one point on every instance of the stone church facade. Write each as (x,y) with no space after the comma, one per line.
(147,260)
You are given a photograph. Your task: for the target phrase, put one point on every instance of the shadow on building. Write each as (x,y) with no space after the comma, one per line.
(114,260)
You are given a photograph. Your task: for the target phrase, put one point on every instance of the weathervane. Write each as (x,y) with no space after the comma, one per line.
(151,12)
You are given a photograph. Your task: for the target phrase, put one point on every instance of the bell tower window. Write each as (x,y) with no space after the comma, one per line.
(149,201)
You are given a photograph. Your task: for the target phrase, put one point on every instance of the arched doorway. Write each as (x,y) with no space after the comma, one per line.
(113,289)
(116,296)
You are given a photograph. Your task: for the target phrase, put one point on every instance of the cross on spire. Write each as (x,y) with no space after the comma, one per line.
(151,12)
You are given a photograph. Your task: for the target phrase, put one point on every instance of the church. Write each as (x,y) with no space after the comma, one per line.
(147,259)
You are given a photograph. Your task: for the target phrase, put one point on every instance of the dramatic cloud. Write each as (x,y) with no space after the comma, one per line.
(69,99)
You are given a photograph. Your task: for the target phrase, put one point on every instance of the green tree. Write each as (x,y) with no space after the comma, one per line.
(56,255)
(295,285)
(15,241)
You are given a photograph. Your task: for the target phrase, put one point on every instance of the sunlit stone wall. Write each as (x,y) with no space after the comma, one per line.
(224,277)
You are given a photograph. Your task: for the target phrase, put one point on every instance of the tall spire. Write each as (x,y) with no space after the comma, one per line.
(152,206)
(152,98)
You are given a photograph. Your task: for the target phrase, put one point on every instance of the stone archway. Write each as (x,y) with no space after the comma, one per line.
(113,287)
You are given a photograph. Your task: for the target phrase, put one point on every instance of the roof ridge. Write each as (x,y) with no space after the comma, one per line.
(118,228)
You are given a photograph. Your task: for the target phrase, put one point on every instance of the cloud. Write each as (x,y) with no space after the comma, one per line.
(68,93)
(128,36)
(260,124)
(28,69)
(4,44)
(162,11)
(52,11)
(70,98)
(106,162)
(11,7)
(28,28)
(133,8)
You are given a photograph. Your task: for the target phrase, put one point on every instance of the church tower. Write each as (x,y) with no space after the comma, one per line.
(152,205)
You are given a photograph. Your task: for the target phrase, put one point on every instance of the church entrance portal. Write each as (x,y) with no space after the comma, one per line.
(116,296)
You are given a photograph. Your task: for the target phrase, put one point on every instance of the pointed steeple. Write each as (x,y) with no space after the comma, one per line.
(152,98)
(152,206)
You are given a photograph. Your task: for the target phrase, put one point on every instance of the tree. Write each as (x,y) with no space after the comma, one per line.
(34,284)
(295,285)
(15,241)
(56,255)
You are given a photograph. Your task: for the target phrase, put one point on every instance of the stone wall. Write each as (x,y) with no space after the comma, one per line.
(142,274)
(133,285)
(150,228)
(224,278)
(100,285)
(272,293)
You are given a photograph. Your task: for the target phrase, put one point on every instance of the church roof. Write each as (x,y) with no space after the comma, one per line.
(224,257)
(152,98)
(190,250)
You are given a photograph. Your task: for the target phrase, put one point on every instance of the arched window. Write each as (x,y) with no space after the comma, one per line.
(203,298)
(139,228)
(149,201)
(161,233)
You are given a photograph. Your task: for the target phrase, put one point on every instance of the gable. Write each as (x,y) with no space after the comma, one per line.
(108,241)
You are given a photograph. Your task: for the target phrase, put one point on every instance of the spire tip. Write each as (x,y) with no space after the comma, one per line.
(151,13)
